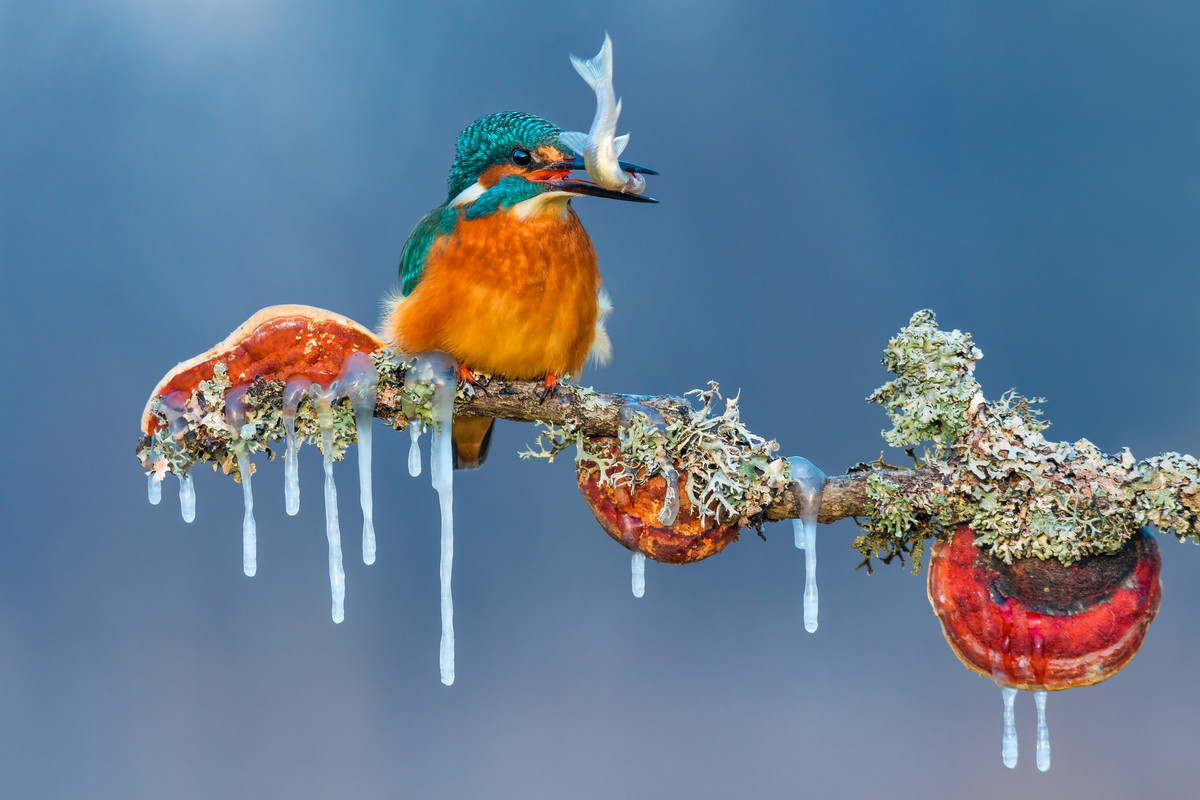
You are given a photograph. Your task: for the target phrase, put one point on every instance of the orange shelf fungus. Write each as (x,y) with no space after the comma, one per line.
(1037,625)
(277,343)
(632,512)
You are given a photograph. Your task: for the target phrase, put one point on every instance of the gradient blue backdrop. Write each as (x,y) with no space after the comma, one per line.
(169,167)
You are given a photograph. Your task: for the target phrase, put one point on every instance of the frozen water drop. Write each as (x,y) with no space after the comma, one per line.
(442,371)
(154,489)
(807,483)
(670,509)
(1043,733)
(333,534)
(414,448)
(630,413)
(292,393)
(173,407)
(1009,748)
(187,498)
(639,574)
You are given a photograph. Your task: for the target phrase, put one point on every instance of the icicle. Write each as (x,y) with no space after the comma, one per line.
(414,449)
(249,528)
(292,393)
(639,574)
(358,380)
(235,415)
(153,488)
(1009,749)
(187,497)
(807,482)
(337,577)
(1043,733)
(441,370)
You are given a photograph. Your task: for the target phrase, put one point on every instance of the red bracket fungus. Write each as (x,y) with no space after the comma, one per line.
(629,512)
(277,343)
(1037,625)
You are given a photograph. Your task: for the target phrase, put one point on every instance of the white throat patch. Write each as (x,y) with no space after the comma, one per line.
(542,203)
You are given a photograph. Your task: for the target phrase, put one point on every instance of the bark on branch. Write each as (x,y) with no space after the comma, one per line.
(597,414)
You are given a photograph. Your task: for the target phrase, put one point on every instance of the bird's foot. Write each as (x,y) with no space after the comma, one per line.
(466,376)
(550,384)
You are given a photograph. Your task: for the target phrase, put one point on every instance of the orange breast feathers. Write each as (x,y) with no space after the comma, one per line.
(508,296)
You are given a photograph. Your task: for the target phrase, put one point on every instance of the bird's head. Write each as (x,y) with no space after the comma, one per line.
(506,159)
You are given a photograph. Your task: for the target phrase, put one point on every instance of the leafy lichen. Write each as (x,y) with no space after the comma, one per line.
(194,429)
(1024,496)
(934,384)
(729,473)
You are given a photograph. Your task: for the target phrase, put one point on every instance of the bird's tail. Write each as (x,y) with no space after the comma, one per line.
(471,437)
(595,70)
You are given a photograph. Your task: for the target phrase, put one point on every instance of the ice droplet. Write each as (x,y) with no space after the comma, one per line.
(807,483)
(639,574)
(1009,747)
(670,509)
(187,497)
(414,449)
(292,393)
(441,371)
(626,414)
(1043,733)
(153,489)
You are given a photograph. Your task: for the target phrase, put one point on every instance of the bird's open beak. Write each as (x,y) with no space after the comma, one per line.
(558,176)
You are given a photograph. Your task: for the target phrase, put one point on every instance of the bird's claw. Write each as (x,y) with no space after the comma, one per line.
(466,376)
(550,384)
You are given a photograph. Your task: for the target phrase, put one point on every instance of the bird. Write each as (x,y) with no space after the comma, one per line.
(502,276)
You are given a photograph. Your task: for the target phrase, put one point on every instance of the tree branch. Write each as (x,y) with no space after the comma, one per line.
(593,414)
(989,465)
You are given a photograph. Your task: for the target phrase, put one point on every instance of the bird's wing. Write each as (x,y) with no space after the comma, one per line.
(438,222)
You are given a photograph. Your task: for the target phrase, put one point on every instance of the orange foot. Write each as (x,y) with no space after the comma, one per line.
(551,383)
(466,376)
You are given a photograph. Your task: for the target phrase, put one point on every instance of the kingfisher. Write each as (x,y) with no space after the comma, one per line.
(502,275)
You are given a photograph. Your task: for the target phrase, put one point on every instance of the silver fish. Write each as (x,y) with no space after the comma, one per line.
(600,145)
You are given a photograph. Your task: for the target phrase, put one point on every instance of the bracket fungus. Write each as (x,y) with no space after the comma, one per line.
(648,515)
(278,343)
(1037,625)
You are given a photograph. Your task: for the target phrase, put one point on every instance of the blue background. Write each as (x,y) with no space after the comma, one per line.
(1031,172)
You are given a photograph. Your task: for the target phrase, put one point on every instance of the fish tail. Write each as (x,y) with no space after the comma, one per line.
(595,70)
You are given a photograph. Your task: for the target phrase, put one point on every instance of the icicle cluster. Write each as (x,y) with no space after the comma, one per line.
(439,372)
(1009,742)
(807,482)
(229,423)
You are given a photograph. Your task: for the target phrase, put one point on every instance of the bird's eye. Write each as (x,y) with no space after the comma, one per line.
(521,158)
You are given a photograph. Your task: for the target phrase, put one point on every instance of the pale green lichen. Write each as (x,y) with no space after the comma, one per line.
(934,383)
(551,440)
(1023,495)
(200,432)
(728,473)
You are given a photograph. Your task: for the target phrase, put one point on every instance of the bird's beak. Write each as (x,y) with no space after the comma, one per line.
(557,176)
(575,161)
